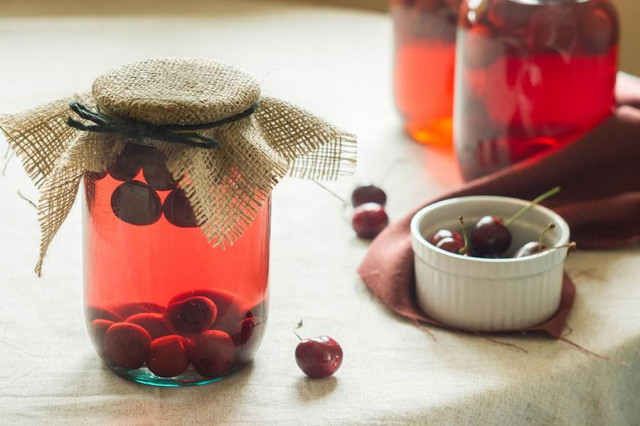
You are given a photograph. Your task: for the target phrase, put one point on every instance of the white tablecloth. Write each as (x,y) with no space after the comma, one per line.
(336,63)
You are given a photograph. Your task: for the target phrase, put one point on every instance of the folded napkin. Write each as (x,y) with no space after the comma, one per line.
(600,199)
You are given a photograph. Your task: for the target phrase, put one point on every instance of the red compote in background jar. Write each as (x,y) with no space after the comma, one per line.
(531,75)
(163,305)
(425,37)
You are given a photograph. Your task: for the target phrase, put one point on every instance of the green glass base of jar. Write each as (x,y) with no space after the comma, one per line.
(189,378)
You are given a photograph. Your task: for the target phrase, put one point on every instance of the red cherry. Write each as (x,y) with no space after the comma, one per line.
(260,310)
(529,249)
(178,211)
(127,345)
(248,338)
(95,175)
(445,233)
(97,330)
(369,220)
(136,203)
(212,353)
(534,247)
(227,304)
(152,322)
(245,330)
(451,245)
(93,312)
(490,237)
(192,315)
(155,171)
(168,356)
(319,357)
(127,165)
(368,194)
(133,308)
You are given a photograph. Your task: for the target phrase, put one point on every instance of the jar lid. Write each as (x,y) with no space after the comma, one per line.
(175,91)
(225,145)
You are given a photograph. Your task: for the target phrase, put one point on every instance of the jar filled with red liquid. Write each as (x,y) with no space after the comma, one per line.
(178,158)
(531,76)
(163,306)
(425,37)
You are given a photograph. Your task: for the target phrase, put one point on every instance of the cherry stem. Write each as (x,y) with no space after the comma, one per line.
(570,247)
(299,326)
(533,203)
(547,229)
(390,169)
(465,238)
(330,192)
(27,199)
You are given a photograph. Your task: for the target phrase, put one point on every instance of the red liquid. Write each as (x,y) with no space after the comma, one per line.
(531,82)
(424,67)
(131,268)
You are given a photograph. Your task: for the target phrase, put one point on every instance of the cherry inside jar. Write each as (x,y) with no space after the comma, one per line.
(425,37)
(163,306)
(531,75)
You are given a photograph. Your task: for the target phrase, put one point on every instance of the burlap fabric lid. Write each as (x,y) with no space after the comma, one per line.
(225,185)
(175,92)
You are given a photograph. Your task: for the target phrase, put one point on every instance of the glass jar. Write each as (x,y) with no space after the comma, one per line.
(163,306)
(531,75)
(425,37)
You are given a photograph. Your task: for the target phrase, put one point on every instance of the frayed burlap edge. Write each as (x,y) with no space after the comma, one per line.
(226,186)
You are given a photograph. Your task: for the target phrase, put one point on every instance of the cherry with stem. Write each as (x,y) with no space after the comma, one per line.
(491,236)
(317,357)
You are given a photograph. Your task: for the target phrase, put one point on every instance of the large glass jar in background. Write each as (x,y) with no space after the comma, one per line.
(531,75)
(163,306)
(425,36)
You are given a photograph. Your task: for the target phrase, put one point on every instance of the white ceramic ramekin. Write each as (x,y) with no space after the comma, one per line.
(488,294)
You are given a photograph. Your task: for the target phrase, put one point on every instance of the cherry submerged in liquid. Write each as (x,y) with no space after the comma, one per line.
(531,77)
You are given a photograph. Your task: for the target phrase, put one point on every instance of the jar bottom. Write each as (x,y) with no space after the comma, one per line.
(189,378)
(436,132)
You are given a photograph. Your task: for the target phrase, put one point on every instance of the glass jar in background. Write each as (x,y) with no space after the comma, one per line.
(531,75)
(163,306)
(425,37)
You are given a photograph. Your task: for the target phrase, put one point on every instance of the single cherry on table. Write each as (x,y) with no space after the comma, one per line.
(369,217)
(368,194)
(318,357)
(369,220)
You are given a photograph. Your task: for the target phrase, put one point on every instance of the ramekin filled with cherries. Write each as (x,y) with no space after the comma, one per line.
(489,263)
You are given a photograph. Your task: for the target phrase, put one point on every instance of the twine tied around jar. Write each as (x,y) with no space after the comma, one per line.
(139,130)
(223,143)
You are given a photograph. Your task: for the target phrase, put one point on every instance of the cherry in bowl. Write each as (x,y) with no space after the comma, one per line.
(486,293)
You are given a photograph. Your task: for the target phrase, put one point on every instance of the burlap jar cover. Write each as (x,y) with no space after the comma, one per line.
(225,145)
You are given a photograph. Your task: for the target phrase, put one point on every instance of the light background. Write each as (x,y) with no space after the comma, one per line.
(628,10)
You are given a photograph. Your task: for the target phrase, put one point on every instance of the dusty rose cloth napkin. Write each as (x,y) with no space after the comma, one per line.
(600,199)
